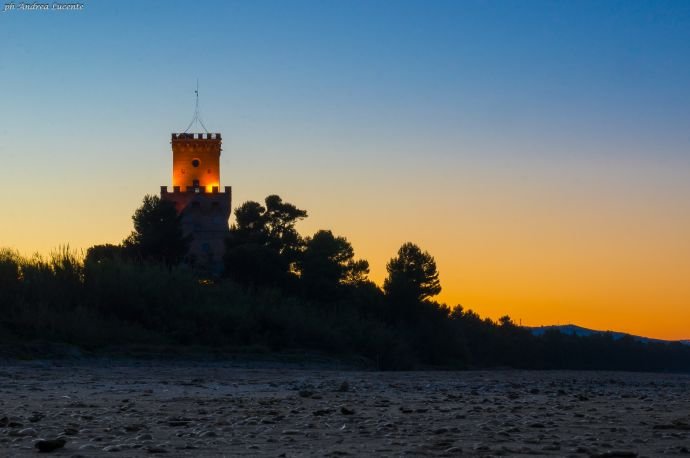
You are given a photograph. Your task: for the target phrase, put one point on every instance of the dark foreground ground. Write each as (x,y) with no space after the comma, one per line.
(194,409)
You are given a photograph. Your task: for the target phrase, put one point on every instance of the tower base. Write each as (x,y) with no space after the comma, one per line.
(205,218)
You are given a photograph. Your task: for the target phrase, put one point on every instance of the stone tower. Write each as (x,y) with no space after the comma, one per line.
(196,194)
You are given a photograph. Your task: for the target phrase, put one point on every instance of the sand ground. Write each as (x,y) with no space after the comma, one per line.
(214,409)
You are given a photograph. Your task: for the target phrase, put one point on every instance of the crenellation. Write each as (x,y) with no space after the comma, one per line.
(198,136)
(196,190)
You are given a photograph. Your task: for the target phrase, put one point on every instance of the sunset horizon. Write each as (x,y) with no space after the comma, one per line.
(540,155)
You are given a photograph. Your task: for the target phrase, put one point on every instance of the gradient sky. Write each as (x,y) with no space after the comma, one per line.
(539,150)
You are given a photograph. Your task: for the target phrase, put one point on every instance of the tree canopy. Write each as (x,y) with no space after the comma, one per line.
(108,251)
(264,245)
(328,263)
(157,232)
(272,225)
(284,292)
(412,274)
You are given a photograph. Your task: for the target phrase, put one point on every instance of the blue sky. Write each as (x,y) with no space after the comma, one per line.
(602,76)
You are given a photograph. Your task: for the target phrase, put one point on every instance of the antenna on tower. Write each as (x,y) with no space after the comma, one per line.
(197,115)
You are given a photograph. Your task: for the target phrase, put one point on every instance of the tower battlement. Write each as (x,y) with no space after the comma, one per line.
(191,199)
(186,136)
(196,190)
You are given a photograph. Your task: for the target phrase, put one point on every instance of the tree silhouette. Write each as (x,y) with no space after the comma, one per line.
(9,273)
(59,298)
(328,263)
(108,251)
(263,244)
(157,234)
(272,225)
(412,275)
(280,220)
(255,264)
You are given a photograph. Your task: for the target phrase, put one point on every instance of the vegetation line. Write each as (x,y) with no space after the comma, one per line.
(279,291)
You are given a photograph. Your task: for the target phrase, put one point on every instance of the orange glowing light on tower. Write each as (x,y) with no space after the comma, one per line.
(196,160)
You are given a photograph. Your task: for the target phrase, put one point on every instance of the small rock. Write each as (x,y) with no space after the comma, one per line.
(27,432)
(36,417)
(45,446)
(344,387)
(345,411)
(178,421)
(144,437)
(133,428)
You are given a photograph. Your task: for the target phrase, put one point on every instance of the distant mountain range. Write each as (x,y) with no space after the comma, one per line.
(574,330)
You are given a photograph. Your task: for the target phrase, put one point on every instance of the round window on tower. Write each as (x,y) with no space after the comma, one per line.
(195,162)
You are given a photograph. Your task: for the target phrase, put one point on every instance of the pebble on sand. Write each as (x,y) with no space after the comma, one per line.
(45,446)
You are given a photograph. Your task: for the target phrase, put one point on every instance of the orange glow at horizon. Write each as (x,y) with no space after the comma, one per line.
(609,254)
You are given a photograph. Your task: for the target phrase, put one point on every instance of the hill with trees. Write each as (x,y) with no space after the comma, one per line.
(281,291)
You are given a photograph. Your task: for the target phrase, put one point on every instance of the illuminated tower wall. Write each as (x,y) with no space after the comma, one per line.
(196,159)
(196,194)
